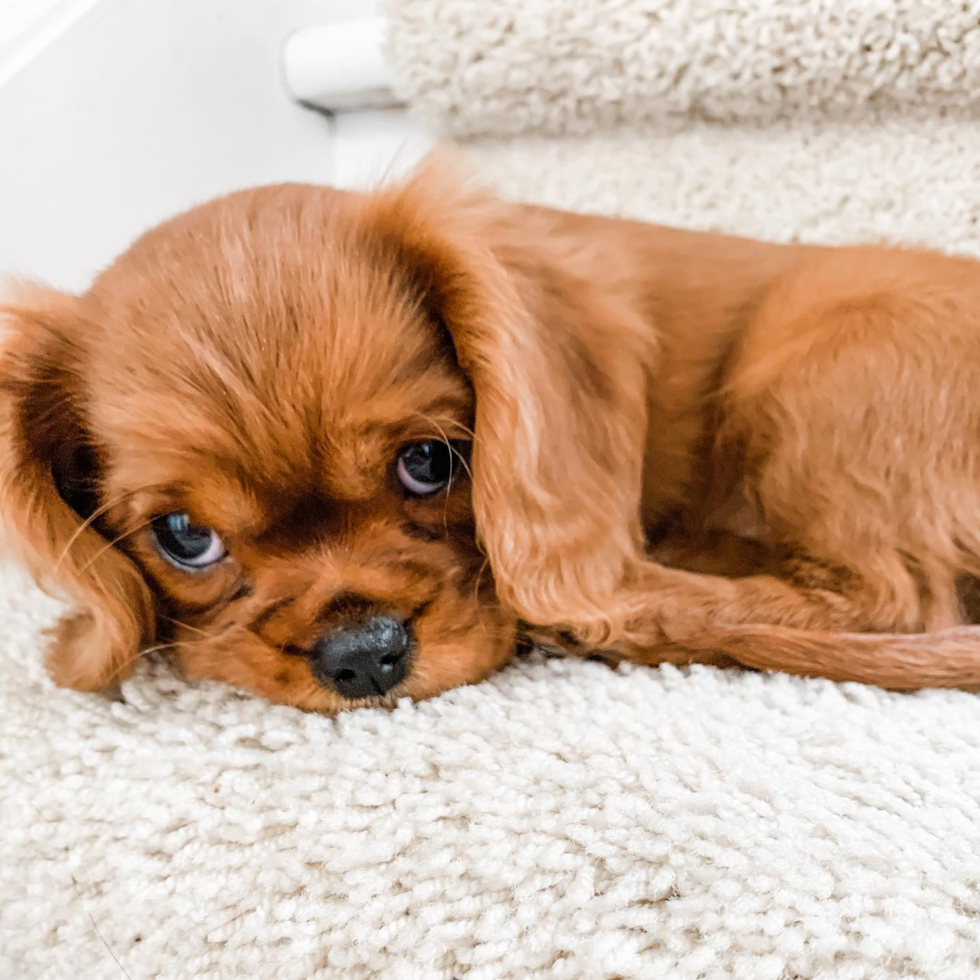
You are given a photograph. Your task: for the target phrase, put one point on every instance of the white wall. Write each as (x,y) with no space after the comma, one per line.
(19,16)
(138,109)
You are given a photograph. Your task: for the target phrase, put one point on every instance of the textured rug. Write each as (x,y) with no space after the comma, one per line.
(560,67)
(562,820)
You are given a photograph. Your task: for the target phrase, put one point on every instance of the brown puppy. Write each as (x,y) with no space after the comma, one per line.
(330,447)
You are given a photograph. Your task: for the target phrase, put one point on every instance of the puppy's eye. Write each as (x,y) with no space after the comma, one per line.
(187,545)
(425,468)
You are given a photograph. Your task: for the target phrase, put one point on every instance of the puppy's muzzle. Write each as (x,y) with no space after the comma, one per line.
(368,657)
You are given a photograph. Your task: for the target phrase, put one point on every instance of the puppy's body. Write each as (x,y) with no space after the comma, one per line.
(696,294)
(810,414)
(802,421)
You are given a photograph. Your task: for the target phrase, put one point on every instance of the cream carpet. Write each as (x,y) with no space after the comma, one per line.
(561,820)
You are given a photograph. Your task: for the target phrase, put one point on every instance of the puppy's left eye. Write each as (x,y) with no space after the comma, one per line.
(185,544)
(425,468)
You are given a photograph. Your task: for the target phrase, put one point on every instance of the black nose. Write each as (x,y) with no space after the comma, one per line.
(365,658)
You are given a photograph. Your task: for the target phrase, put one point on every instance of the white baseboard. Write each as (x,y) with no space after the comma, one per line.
(339,66)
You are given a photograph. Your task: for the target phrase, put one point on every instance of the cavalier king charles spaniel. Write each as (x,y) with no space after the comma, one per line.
(339,448)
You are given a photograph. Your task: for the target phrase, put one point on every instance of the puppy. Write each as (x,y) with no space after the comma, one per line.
(339,448)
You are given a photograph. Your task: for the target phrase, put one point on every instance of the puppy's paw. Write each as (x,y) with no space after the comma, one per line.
(556,642)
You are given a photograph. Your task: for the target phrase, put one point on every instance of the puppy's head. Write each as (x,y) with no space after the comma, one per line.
(318,444)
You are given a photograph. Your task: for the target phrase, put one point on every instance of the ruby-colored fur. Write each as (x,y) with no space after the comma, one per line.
(686,447)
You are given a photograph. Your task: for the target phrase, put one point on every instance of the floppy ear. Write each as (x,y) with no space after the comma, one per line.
(48,495)
(558,367)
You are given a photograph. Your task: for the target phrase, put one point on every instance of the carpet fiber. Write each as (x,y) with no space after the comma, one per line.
(562,820)
(559,67)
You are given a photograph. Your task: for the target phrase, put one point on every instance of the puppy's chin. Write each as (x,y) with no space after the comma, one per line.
(451,647)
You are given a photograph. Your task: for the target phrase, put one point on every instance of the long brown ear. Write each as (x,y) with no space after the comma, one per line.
(558,366)
(42,436)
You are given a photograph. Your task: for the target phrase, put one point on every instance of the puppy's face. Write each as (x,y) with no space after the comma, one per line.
(270,437)
(285,438)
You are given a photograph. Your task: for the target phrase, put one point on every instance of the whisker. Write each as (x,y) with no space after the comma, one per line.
(187,626)
(221,634)
(176,644)
(155,649)
(111,544)
(434,419)
(452,455)
(159,648)
(89,521)
(452,421)
(476,593)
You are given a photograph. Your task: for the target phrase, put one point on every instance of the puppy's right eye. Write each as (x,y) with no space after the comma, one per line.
(425,468)
(187,545)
